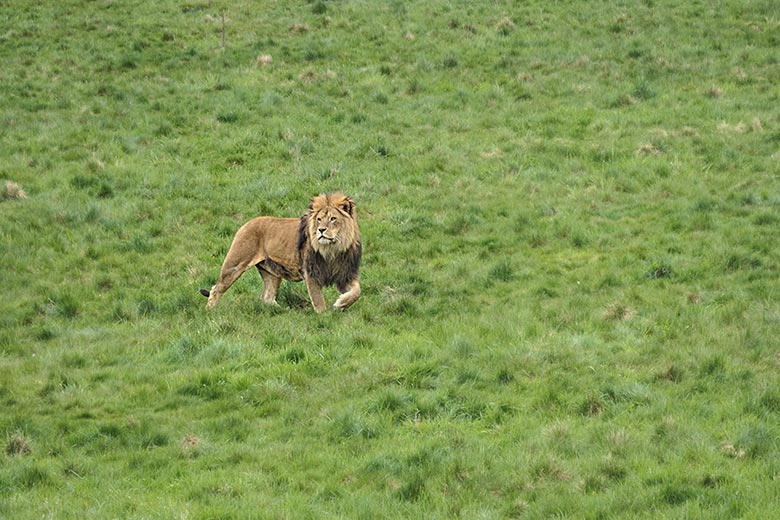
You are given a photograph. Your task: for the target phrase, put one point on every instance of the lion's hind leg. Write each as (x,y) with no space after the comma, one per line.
(242,255)
(271,284)
(227,277)
(233,267)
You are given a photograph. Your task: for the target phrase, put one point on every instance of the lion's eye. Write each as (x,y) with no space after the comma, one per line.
(319,219)
(333,219)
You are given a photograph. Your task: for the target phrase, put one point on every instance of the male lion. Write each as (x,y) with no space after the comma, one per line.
(322,247)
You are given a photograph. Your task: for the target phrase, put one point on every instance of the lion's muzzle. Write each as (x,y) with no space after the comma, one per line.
(322,238)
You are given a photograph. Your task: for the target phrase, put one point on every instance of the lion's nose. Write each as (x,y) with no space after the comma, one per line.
(321,230)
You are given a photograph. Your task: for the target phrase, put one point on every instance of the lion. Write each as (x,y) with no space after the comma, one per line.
(322,248)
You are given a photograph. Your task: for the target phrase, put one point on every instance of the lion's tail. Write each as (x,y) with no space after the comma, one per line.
(205,293)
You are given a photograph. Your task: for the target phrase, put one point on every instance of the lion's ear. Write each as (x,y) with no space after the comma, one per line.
(348,206)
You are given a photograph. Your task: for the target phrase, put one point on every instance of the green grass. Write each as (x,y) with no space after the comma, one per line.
(570,279)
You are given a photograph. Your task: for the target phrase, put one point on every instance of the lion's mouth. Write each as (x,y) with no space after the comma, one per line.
(322,239)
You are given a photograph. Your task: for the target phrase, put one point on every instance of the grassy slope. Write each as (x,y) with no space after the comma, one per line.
(570,279)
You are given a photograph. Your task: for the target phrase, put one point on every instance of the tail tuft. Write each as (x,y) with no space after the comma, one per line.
(205,293)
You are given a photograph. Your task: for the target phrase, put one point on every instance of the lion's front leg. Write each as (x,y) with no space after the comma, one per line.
(349,296)
(315,294)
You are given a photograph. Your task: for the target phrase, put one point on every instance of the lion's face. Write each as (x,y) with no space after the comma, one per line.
(331,223)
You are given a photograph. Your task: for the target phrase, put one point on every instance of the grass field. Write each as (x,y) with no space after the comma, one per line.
(571,271)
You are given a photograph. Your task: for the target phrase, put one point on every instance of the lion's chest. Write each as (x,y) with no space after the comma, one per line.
(340,270)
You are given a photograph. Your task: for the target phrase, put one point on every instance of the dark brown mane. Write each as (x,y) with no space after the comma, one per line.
(340,271)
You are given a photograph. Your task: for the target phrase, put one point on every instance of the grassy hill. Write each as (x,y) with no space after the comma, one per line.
(570,279)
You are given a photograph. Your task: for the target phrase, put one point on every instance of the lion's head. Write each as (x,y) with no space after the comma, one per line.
(331,225)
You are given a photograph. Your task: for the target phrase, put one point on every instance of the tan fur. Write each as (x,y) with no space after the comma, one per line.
(322,247)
